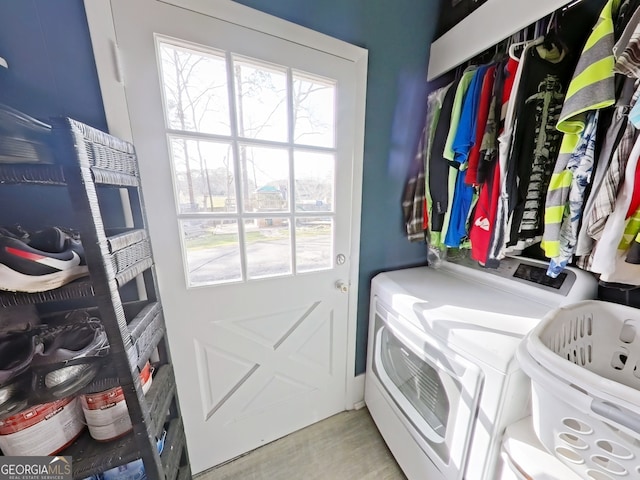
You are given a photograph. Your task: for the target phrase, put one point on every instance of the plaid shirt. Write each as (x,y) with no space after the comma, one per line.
(627,50)
(416,201)
(413,199)
(606,197)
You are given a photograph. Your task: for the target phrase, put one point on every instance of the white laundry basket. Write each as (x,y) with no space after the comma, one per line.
(584,364)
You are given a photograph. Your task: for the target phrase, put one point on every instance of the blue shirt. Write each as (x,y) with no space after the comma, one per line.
(466,134)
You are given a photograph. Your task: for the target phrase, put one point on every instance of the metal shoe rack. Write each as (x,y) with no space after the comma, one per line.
(88,161)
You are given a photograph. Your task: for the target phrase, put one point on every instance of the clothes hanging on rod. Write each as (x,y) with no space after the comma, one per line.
(501,222)
(471,177)
(414,205)
(534,144)
(592,88)
(539,147)
(464,139)
(611,137)
(437,182)
(607,259)
(448,156)
(481,227)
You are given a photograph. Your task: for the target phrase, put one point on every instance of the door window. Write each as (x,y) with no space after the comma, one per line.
(253,154)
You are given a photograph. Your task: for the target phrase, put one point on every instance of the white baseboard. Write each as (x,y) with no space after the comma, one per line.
(355,394)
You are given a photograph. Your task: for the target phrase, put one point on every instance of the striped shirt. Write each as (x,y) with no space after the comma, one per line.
(592,88)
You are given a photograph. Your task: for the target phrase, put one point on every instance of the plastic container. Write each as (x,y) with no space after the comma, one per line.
(42,429)
(524,457)
(106,412)
(584,364)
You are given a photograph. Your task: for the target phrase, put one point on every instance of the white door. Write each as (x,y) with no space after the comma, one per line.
(246,144)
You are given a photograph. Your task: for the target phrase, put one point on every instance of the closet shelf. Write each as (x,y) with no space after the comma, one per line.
(54,175)
(490,23)
(44,174)
(173,449)
(91,457)
(26,173)
(77,289)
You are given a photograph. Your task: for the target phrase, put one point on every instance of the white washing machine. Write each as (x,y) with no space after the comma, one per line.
(442,382)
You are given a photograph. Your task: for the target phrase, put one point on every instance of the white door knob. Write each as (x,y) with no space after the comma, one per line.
(343,287)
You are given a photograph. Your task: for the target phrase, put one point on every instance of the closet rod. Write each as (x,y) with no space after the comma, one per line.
(491,23)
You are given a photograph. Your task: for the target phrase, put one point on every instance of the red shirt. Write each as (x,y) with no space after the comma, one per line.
(482,226)
(635,197)
(483,112)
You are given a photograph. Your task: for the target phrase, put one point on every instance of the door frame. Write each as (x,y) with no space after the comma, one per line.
(112,81)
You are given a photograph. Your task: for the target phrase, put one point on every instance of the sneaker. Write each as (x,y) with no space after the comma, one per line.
(67,358)
(16,353)
(46,260)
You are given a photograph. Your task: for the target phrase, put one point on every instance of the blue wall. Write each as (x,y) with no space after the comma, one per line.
(51,67)
(53,73)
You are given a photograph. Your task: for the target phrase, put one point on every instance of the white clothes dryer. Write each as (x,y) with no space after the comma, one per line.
(442,381)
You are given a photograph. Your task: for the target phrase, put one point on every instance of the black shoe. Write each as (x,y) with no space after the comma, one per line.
(68,357)
(16,353)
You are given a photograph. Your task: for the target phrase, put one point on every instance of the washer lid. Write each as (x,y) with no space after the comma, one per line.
(484,319)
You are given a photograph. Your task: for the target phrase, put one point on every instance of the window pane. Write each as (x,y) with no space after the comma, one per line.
(212,251)
(266,179)
(262,101)
(196,95)
(204,175)
(314,178)
(313,111)
(268,246)
(314,244)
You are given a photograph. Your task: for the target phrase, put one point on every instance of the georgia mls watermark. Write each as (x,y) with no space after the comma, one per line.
(35,468)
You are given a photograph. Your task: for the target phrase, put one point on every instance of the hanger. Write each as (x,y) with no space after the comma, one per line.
(535,31)
(571,5)
(512,49)
(553,22)
(526,43)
